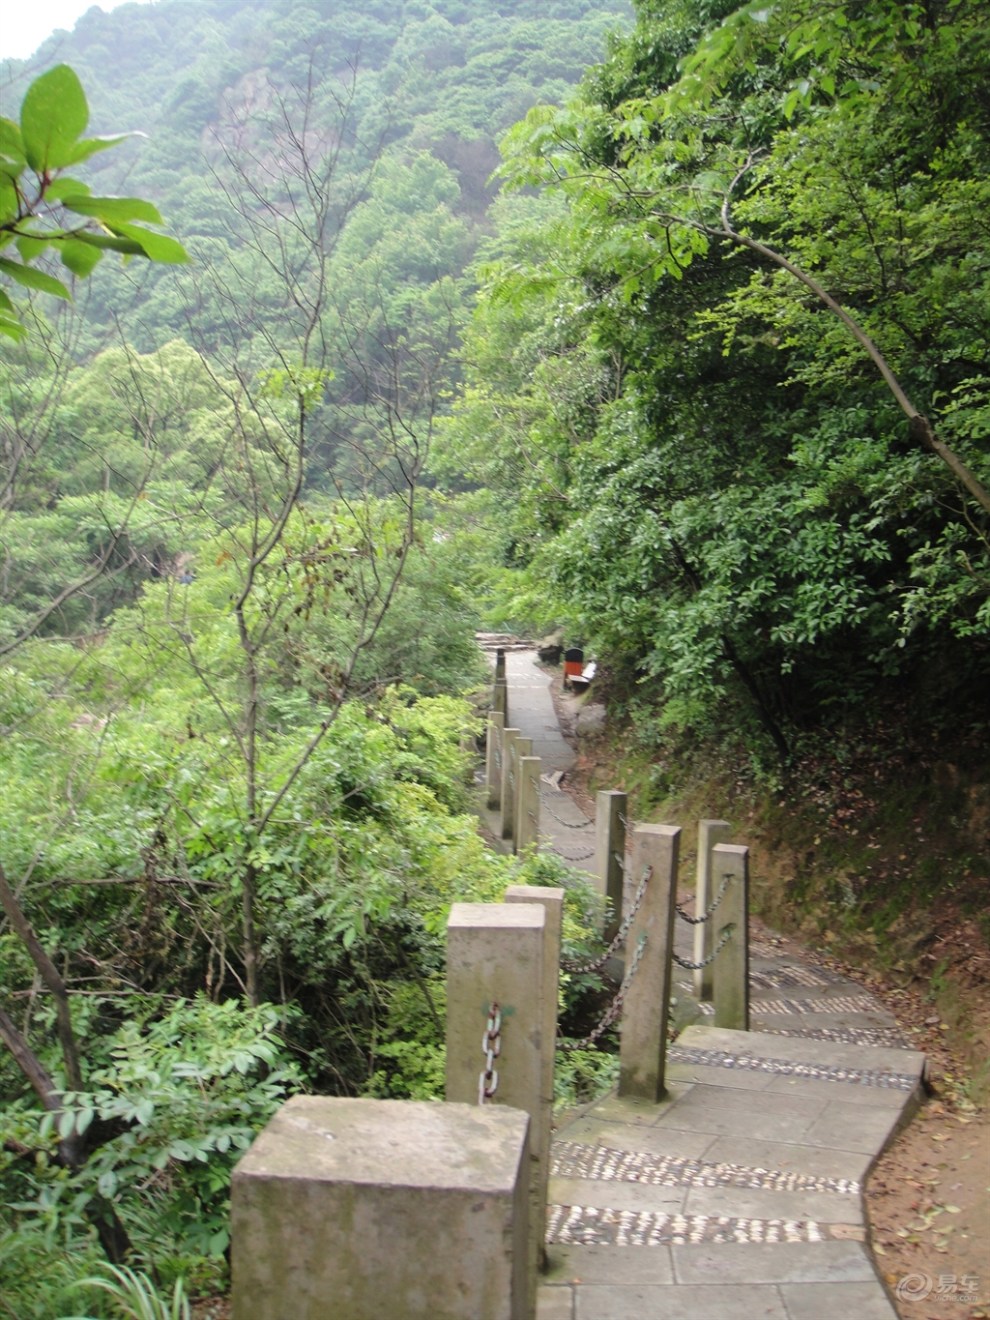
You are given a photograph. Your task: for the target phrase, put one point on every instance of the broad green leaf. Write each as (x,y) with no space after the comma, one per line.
(90,146)
(54,115)
(30,247)
(63,187)
(11,147)
(109,243)
(33,279)
(78,257)
(144,1112)
(8,200)
(157,247)
(113,210)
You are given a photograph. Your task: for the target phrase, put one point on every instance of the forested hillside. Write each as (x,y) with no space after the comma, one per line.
(731,367)
(702,376)
(234,631)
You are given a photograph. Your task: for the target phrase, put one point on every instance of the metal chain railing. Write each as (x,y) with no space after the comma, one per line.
(491,1048)
(614,1010)
(596,964)
(709,912)
(690,966)
(578,857)
(569,824)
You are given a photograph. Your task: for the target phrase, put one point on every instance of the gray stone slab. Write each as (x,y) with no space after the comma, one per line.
(718,1110)
(601,1265)
(803,1050)
(738,1079)
(709,1303)
(874,1097)
(818,1161)
(862,1020)
(636,1136)
(555,1303)
(773,1262)
(887,1037)
(758,1203)
(852,1127)
(617,1195)
(531,710)
(853,1301)
(634,1111)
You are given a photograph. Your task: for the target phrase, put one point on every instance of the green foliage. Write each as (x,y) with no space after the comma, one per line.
(233,757)
(42,207)
(581,1076)
(736,516)
(134,1296)
(177,1090)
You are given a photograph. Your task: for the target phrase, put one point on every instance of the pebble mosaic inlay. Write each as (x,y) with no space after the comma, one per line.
(880,1037)
(787,1068)
(833,1004)
(774,979)
(588,1225)
(572,1159)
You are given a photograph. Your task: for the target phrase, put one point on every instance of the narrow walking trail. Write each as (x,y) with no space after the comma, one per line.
(740,1195)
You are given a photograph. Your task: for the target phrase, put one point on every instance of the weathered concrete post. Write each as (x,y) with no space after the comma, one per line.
(528,807)
(495,956)
(493,759)
(643,1046)
(610,855)
(500,664)
(552,902)
(710,833)
(500,699)
(351,1208)
(523,747)
(732,964)
(508,790)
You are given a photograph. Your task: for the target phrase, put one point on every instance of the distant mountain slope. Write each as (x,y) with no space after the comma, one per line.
(445,77)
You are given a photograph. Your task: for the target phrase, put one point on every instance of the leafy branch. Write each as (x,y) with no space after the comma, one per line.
(44,210)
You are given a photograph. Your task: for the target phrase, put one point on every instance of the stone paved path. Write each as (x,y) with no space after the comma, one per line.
(740,1195)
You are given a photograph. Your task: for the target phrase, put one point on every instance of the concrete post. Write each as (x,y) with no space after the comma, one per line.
(610,855)
(495,955)
(493,759)
(500,699)
(541,1132)
(523,747)
(352,1208)
(732,964)
(508,790)
(643,1047)
(710,833)
(528,808)
(500,665)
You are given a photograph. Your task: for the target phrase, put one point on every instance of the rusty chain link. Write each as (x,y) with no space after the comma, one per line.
(690,966)
(700,921)
(596,964)
(614,1009)
(580,857)
(569,824)
(491,1048)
